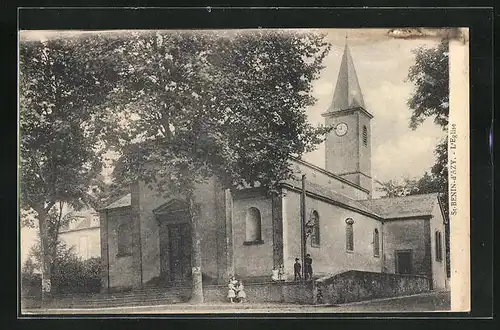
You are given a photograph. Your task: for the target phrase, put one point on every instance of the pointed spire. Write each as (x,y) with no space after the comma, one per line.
(347,92)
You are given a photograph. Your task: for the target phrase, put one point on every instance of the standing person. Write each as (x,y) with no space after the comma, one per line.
(275,275)
(241,293)
(296,270)
(231,293)
(281,273)
(308,267)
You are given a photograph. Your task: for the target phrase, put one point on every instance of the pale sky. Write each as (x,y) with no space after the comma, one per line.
(382,65)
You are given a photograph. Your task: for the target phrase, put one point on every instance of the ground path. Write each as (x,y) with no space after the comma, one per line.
(435,301)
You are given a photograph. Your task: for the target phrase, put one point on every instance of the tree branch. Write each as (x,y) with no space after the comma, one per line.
(39,170)
(49,206)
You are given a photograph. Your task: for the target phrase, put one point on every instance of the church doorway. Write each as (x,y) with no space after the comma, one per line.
(404,262)
(175,242)
(179,251)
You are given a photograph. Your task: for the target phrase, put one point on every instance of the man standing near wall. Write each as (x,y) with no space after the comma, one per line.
(308,267)
(296,270)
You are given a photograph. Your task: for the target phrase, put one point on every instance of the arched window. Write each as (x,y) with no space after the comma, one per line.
(439,247)
(376,243)
(365,136)
(349,233)
(315,236)
(253,230)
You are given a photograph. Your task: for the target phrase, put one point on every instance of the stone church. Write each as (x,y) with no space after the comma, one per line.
(145,239)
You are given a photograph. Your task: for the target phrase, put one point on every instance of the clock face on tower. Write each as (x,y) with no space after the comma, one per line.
(341,129)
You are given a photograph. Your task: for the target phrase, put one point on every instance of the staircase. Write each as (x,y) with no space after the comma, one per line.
(145,297)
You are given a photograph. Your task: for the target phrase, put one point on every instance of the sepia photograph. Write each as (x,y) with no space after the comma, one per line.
(243,171)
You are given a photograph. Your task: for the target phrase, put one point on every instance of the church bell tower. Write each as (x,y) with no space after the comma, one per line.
(348,145)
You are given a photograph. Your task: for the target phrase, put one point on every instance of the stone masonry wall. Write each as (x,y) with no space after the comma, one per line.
(354,286)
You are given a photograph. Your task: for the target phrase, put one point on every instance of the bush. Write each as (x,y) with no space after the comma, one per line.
(76,275)
(31,284)
(70,274)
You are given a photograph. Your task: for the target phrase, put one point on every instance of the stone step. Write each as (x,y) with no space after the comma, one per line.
(143,299)
(127,302)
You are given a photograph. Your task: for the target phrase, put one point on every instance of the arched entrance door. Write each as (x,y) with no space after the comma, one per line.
(175,242)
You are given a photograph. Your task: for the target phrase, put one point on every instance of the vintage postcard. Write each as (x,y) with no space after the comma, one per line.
(244,171)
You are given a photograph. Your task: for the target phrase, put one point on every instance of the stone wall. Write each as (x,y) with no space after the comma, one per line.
(331,256)
(123,271)
(436,223)
(278,292)
(253,259)
(407,234)
(354,286)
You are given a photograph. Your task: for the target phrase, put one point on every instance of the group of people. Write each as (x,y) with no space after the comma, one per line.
(236,291)
(279,274)
(308,271)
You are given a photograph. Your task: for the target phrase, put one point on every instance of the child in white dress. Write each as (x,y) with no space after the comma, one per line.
(231,293)
(241,293)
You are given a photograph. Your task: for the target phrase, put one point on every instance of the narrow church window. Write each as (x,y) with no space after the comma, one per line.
(349,235)
(376,243)
(365,136)
(439,247)
(315,236)
(124,236)
(253,226)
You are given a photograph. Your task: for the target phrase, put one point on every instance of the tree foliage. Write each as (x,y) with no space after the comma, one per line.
(207,105)
(430,74)
(63,82)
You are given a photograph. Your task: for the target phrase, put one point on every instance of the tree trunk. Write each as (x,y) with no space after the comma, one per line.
(196,274)
(45,254)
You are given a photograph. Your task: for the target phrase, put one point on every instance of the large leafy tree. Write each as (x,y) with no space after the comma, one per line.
(430,99)
(225,106)
(63,81)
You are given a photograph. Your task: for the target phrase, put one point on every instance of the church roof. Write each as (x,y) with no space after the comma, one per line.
(403,207)
(332,195)
(121,202)
(81,220)
(347,92)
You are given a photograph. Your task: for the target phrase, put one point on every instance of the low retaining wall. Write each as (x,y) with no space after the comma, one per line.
(279,292)
(352,286)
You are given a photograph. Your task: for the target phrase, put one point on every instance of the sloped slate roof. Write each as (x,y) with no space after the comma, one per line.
(121,202)
(347,91)
(330,194)
(402,207)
